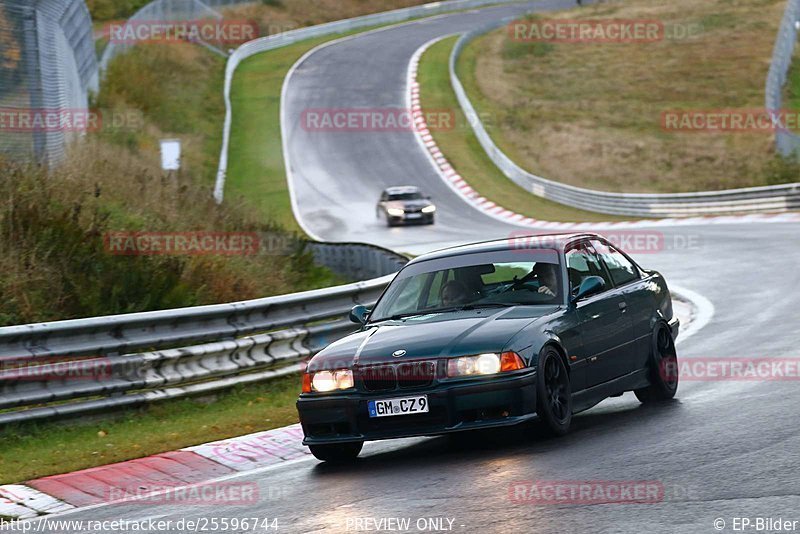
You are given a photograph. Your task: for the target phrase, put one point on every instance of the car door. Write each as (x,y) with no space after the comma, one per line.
(602,319)
(634,287)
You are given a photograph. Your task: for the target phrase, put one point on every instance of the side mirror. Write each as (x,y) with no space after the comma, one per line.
(359,314)
(590,286)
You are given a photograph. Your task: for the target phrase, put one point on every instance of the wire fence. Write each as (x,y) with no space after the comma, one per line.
(48,67)
(163,11)
(786,142)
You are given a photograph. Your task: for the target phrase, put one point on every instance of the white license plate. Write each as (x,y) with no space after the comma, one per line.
(413,215)
(402,406)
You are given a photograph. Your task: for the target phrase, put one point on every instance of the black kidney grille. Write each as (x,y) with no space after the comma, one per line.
(403,376)
(379,378)
(415,374)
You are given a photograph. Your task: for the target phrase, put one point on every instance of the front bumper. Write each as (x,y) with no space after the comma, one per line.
(424,218)
(453,407)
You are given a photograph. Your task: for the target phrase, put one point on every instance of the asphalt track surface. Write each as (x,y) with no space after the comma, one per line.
(723,449)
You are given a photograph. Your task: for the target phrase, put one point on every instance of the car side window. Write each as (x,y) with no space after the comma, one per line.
(583,263)
(621,269)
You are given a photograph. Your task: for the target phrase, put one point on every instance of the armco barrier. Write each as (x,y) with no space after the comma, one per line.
(778,198)
(272,42)
(356,261)
(90,365)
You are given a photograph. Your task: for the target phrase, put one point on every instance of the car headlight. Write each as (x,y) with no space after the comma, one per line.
(327,381)
(484,364)
(395,212)
(428,209)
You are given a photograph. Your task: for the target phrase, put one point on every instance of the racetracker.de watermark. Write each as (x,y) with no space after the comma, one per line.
(54,369)
(629,241)
(205,494)
(730,120)
(732,369)
(32,120)
(375,120)
(586,492)
(218,31)
(600,31)
(182,243)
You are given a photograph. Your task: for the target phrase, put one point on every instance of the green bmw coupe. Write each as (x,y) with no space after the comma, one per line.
(493,334)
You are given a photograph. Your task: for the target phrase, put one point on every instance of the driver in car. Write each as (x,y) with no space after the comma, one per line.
(454,293)
(548,280)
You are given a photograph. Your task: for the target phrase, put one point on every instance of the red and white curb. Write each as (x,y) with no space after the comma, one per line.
(156,474)
(460,186)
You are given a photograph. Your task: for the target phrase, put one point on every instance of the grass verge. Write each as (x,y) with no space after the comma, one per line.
(462,149)
(37,450)
(590,114)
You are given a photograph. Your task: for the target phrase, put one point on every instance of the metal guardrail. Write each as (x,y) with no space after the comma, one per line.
(776,198)
(356,261)
(272,42)
(786,142)
(89,365)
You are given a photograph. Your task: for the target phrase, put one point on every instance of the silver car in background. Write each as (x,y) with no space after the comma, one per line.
(405,205)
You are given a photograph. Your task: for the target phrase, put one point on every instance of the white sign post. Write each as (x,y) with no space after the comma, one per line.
(171,154)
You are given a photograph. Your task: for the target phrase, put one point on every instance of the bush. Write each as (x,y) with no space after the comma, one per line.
(54,263)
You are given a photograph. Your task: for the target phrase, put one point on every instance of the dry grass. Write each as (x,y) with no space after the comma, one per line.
(275,16)
(590,114)
(53,260)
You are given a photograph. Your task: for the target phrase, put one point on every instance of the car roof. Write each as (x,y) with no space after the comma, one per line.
(513,242)
(401,189)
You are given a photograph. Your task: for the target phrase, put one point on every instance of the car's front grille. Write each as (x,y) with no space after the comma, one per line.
(415,374)
(406,375)
(379,378)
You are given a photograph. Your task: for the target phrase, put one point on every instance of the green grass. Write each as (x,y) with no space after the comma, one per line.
(462,149)
(590,114)
(256,171)
(103,10)
(166,426)
(178,91)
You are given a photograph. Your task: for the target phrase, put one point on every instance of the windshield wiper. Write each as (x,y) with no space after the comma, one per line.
(467,307)
(490,305)
(418,313)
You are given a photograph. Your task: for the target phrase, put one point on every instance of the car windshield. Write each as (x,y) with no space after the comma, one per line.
(406,196)
(489,279)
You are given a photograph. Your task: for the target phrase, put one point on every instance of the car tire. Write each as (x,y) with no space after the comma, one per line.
(662,368)
(337,453)
(553,393)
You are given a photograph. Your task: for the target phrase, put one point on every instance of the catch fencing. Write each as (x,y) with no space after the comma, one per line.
(778,198)
(170,11)
(786,142)
(48,67)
